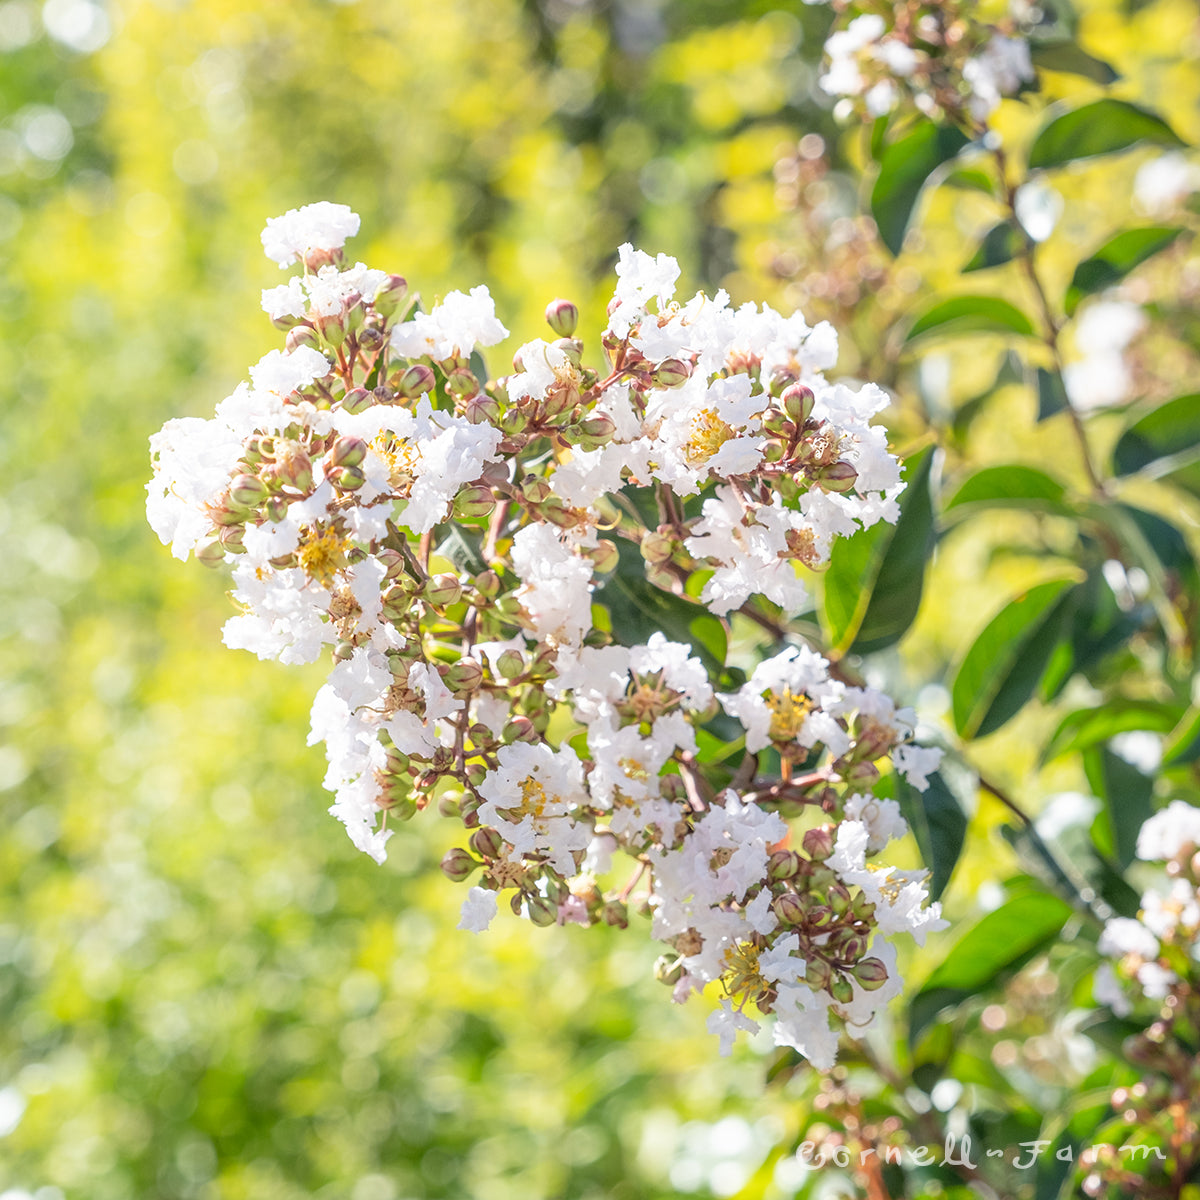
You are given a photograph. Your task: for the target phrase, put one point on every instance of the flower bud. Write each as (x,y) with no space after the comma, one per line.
(837,477)
(487,842)
(841,989)
(473,502)
(210,552)
(482,409)
(819,917)
(390,295)
(231,538)
(818,974)
(870,973)
(535,489)
(616,914)
(798,402)
(541,910)
(519,729)
(393,562)
(442,591)
(356,313)
(572,348)
(461,382)
(671,373)
(818,843)
(346,479)
(783,864)
(657,549)
(357,400)
(562,316)
(510,664)
(487,584)
(839,897)
(302,335)
(371,338)
(293,467)
(596,430)
(396,603)
(604,556)
(788,908)
(464,676)
(448,805)
(513,421)
(777,425)
(668,970)
(247,491)
(348,451)
(457,864)
(275,507)
(415,381)
(333,328)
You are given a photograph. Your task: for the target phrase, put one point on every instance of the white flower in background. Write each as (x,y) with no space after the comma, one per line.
(999,70)
(1101,378)
(320,227)
(1164,183)
(1173,831)
(1038,207)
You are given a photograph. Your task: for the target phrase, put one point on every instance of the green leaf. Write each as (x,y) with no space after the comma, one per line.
(638,609)
(1002,243)
(1051,393)
(1102,127)
(1183,742)
(1001,943)
(1126,793)
(463,546)
(1066,56)
(970,314)
(1170,429)
(939,824)
(1115,259)
(903,171)
(1004,664)
(971,179)
(1011,486)
(874,581)
(1088,727)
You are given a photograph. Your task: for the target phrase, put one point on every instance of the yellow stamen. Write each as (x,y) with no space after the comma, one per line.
(709,434)
(322,552)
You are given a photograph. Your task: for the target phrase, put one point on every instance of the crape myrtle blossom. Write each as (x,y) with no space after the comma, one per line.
(1159,951)
(941,58)
(477,556)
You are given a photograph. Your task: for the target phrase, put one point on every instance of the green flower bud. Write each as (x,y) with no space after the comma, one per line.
(414,381)
(210,552)
(838,477)
(818,843)
(616,914)
(870,973)
(541,910)
(390,295)
(572,348)
(668,970)
(357,400)
(788,908)
(519,729)
(604,556)
(487,842)
(510,664)
(346,479)
(302,335)
(464,676)
(841,989)
(461,382)
(393,562)
(562,316)
(487,584)
(458,865)
(783,864)
(442,591)
(474,502)
(231,538)
(818,974)
(596,430)
(275,507)
(348,451)
(671,374)
(657,549)
(482,409)
(798,402)
(247,491)
(535,489)
(513,421)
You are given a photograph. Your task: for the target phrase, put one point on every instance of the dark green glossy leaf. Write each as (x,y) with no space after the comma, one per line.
(1172,428)
(1011,486)
(1067,56)
(1126,793)
(992,949)
(1102,127)
(1115,259)
(970,314)
(939,824)
(1001,244)
(1051,394)
(638,609)
(1088,727)
(1004,664)
(873,585)
(903,171)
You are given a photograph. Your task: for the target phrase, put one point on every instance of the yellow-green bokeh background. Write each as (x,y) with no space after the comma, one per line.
(204,990)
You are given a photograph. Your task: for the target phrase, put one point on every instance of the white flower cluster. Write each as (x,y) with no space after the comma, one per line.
(442,534)
(876,64)
(1165,938)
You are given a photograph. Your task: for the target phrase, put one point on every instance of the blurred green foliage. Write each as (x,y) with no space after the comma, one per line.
(205,992)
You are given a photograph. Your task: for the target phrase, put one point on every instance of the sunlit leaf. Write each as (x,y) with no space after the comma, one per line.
(1004,664)
(1001,244)
(1115,259)
(1011,486)
(1088,727)
(970,314)
(1068,56)
(1051,394)
(1102,127)
(904,168)
(1172,428)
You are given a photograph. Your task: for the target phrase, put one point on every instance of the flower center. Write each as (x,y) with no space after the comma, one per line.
(788,714)
(709,434)
(322,552)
